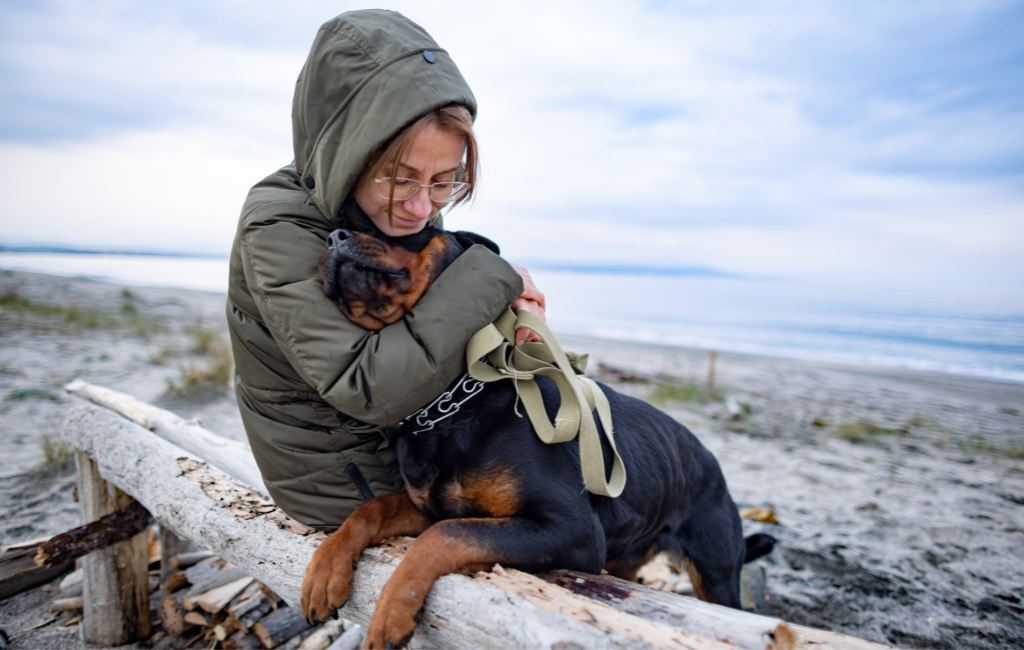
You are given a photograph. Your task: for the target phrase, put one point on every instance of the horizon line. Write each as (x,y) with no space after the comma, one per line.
(624,268)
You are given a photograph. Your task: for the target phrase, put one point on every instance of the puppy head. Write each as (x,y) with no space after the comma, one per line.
(375,280)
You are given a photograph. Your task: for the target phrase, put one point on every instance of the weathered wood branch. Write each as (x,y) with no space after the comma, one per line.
(233,458)
(19,572)
(67,604)
(118,526)
(497,609)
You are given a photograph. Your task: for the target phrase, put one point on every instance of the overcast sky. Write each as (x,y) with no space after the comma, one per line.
(876,141)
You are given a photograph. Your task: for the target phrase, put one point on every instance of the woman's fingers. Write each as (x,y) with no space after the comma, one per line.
(530,290)
(531,300)
(523,334)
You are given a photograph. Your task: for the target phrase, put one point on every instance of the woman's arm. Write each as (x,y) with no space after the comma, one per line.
(377,377)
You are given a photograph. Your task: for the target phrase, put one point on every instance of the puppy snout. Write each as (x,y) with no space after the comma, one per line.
(336,237)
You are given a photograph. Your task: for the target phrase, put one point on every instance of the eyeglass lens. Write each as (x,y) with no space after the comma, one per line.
(406,188)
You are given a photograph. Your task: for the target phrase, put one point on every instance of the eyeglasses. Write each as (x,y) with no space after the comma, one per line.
(406,188)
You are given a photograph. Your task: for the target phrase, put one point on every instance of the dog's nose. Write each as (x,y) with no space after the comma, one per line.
(335,238)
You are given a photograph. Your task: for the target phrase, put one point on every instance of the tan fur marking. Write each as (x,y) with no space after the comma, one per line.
(697,580)
(496,492)
(420,498)
(620,569)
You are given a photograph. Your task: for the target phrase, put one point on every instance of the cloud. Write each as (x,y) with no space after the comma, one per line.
(74,71)
(178,191)
(797,137)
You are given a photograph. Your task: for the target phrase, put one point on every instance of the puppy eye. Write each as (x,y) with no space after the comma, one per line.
(399,274)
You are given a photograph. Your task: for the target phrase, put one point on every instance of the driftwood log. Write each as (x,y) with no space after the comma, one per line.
(233,458)
(499,609)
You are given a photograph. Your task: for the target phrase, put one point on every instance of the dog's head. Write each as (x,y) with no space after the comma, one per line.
(375,279)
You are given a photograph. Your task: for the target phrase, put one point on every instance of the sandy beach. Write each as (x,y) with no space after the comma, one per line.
(899,494)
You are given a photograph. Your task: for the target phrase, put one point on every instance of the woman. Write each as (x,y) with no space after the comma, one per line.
(376,100)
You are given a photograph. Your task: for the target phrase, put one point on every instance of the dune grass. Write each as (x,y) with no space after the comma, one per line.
(56,451)
(211,371)
(861,431)
(75,318)
(688,391)
(18,395)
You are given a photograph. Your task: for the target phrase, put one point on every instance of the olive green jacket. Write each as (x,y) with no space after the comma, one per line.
(317,392)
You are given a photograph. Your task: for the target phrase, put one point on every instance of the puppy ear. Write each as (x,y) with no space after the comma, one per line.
(467,239)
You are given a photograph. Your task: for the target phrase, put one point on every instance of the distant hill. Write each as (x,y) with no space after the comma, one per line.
(628,269)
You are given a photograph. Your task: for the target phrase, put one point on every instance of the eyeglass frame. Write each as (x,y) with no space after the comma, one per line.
(455,196)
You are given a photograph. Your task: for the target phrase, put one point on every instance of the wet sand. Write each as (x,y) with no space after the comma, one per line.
(899,494)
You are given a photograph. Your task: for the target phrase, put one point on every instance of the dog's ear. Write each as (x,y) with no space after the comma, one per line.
(467,239)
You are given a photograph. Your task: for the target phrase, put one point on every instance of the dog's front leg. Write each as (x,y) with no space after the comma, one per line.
(329,574)
(456,545)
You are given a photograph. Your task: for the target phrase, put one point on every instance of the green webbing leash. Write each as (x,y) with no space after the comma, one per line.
(579,394)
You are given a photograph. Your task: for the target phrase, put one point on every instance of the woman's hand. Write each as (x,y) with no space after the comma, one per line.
(531,300)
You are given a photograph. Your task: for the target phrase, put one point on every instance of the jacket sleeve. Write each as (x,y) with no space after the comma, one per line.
(377,377)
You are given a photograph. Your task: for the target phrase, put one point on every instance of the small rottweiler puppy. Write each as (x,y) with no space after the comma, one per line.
(482,488)
(376,279)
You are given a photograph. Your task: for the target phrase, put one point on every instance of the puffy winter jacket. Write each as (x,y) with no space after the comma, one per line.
(316,392)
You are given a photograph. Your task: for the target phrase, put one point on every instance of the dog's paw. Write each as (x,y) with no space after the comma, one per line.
(394,621)
(327,583)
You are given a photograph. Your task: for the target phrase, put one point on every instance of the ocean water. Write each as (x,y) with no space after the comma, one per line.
(198,273)
(977,333)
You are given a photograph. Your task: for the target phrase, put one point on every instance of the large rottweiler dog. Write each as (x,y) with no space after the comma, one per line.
(483,489)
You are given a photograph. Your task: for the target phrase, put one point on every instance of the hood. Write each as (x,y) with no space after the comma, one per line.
(369,74)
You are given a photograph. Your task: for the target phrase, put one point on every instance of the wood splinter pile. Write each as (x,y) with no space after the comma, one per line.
(206,598)
(210,598)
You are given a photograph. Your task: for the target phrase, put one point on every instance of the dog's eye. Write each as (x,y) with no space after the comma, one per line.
(399,274)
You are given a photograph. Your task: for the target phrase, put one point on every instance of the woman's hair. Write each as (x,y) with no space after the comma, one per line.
(454,119)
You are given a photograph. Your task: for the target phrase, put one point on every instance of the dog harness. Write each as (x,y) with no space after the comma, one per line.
(492,355)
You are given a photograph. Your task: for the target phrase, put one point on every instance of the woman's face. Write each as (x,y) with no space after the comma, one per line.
(434,156)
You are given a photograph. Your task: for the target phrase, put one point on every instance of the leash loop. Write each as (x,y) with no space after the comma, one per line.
(580,396)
